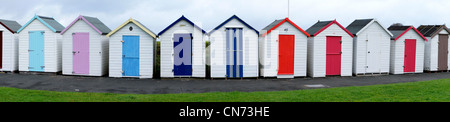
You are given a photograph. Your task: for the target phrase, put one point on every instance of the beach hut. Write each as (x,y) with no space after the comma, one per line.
(85,47)
(436,48)
(182,50)
(234,49)
(282,50)
(132,50)
(40,45)
(407,50)
(371,46)
(330,50)
(9,42)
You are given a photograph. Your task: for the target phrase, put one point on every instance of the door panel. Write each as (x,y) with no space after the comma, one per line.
(130,55)
(80,53)
(36,51)
(333,56)
(286,54)
(410,55)
(234,50)
(182,54)
(373,53)
(443,53)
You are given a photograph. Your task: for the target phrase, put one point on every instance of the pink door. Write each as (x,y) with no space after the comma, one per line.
(80,53)
(333,65)
(410,55)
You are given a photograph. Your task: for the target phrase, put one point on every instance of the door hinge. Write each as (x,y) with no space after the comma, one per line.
(172,70)
(42,66)
(73,33)
(122,41)
(341,52)
(73,72)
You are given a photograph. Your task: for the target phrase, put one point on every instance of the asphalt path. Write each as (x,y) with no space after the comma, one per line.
(53,82)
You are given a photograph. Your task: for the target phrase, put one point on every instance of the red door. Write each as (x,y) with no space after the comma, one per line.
(286,54)
(333,66)
(410,55)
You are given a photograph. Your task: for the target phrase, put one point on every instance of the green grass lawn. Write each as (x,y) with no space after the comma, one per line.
(424,91)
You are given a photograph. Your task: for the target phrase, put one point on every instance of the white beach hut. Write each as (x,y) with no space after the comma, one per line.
(407,50)
(9,42)
(234,50)
(40,45)
(371,47)
(436,48)
(182,50)
(330,50)
(85,47)
(132,50)
(282,50)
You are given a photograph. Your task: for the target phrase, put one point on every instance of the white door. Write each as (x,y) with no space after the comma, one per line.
(373,53)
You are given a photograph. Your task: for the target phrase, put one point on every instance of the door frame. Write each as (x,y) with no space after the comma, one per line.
(1,49)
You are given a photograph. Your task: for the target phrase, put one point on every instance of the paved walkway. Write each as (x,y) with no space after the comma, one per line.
(193,85)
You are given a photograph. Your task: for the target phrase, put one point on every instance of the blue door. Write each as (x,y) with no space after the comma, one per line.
(36,51)
(234,52)
(182,46)
(130,55)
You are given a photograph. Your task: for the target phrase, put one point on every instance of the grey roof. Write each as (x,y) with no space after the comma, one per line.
(431,30)
(53,23)
(316,27)
(13,25)
(98,24)
(357,25)
(273,24)
(397,30)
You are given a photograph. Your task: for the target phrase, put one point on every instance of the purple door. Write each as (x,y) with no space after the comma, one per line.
(80,53)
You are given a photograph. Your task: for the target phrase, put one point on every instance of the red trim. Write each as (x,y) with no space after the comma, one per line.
(331,23)
(7,28)
(279,24)
(410,29)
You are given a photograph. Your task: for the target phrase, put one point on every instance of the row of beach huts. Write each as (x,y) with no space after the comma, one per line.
(88,47)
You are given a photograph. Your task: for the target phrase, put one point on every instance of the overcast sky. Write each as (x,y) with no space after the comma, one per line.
(158,14)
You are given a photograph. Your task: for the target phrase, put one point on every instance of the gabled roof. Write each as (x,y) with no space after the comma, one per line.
(50,22)
(359,25)
(145,29)
(12,26)
(95,23)
(317,28)
(278,23)
(178,20)
(231,18)
(399,31)
(432,30)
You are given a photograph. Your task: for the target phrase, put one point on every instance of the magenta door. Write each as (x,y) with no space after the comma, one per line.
(80,53)
(333,65)
(410,55)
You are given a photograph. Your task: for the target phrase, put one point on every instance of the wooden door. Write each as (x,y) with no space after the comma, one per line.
(333,55)
(410,55)
(443,53)
(182,54)
(130,55)
(286,54)
(234,52)
(80,53)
